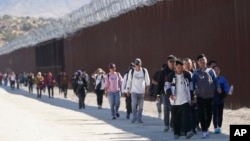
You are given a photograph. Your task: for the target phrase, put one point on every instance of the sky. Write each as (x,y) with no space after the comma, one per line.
(40,8)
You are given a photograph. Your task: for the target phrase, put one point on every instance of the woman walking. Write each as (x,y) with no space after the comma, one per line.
(98,75)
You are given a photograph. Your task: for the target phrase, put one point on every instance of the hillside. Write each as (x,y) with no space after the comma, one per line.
(12,27)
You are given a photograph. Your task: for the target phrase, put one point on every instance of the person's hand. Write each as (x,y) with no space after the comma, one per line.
(219,90)
(128,94)
(124,94)
(158,98)
(172,97)
(194,101)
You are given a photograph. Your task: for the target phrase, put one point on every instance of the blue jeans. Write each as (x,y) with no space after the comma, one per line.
(159,103)
(137,106)
(114,101)
(167,110)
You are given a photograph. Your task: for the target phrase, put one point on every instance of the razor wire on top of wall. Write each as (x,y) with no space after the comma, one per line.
(91,14)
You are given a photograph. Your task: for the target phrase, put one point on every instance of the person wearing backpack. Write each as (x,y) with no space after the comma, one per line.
(170,64)
(205,84)
(138,86)
(113,83)
(81,87)
(219,99)
(98,76)
(127,96)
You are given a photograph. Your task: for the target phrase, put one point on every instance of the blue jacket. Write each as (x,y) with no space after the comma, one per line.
(224,87)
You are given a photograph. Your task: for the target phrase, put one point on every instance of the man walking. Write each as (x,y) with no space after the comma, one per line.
(163,78)
(205,84)
(138,85)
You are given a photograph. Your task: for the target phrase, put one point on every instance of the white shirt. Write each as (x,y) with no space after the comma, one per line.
(182,93)
(137,83)
(98,79)
(13,77)
(124,83)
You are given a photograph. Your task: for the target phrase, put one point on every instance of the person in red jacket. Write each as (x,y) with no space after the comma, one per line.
(50,83)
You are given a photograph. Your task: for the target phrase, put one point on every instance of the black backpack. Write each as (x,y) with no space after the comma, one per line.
(132,73)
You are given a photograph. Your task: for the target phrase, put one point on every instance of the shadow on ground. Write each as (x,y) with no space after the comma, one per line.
(151,129)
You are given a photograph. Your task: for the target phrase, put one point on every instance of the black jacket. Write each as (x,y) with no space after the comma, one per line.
(81,86)
(163,78)
(187,77)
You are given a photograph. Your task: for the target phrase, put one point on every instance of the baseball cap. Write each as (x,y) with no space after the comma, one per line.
(138,61)
(171,57)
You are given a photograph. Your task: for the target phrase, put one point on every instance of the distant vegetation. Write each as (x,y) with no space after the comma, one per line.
(13,27)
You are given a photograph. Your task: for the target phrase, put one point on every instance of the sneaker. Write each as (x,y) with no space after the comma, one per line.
(127,116)
(176,136)
(207,134)
(117,115)
(219,130)
(140,121)
(133,121)
(204,135)
(114,118)
(216,130)
(166,129)
(189,134)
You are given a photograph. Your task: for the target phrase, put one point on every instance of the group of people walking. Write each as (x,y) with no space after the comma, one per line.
(191,96)
(40,81)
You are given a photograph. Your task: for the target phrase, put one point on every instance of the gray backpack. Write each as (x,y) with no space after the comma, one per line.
(205,85)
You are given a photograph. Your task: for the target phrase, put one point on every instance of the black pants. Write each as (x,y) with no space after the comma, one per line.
(218,115)
(128,104)
(17,85)
(30,87)
(181,118)
(64,89)
(12,84)
(205,108)
(81,97)
(99,94)
(39,92)
(194,116)
(51,88)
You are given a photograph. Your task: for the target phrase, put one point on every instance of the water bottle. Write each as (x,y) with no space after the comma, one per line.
(231,90)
